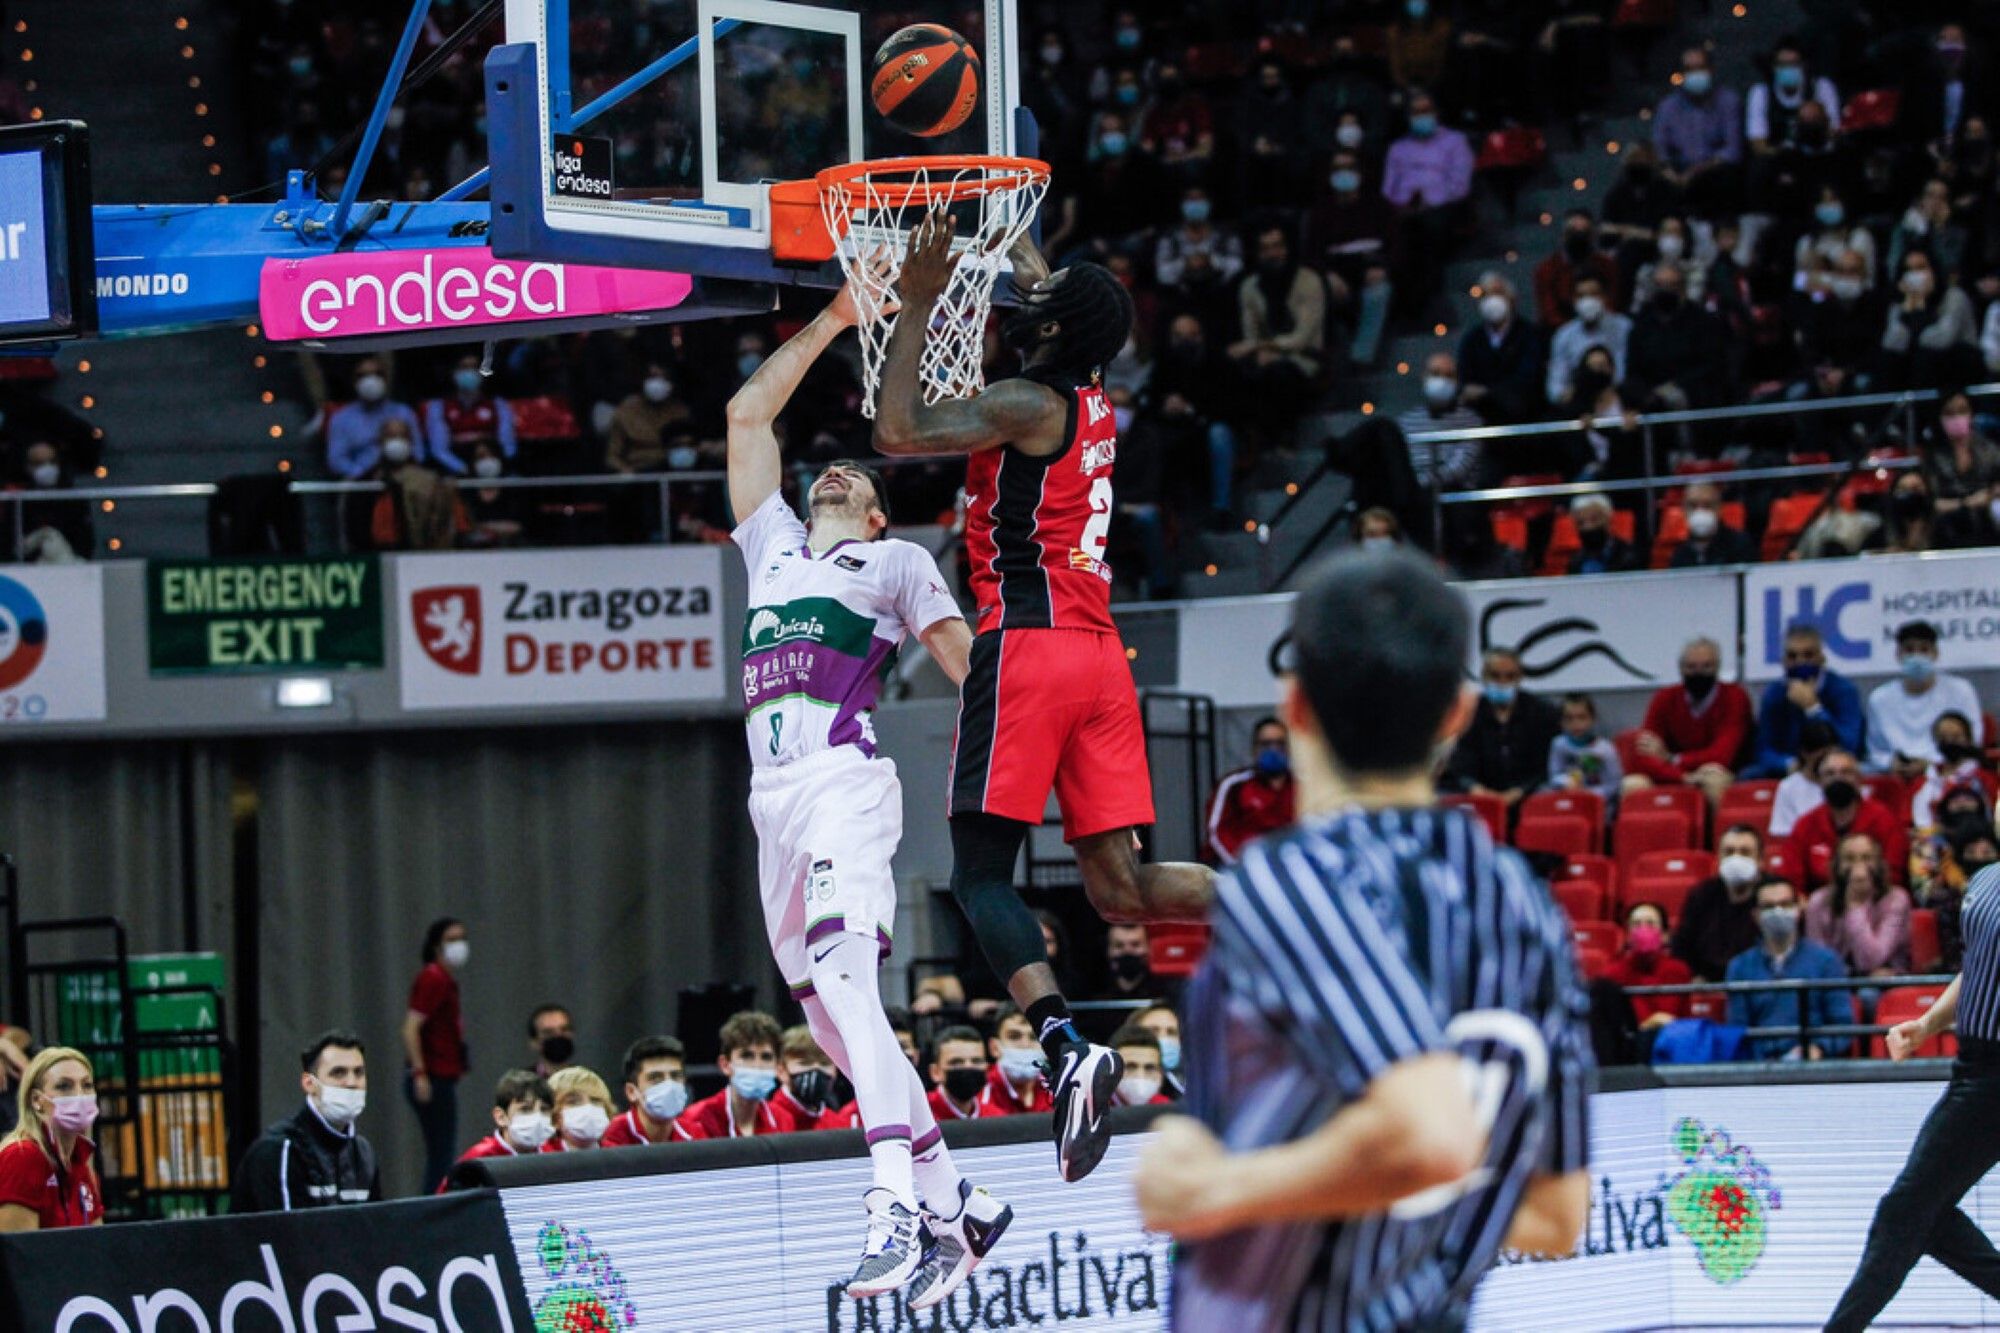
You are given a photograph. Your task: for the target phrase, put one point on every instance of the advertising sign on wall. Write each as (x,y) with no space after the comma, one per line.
(290,614)
(1857,604)
(604,625)
(51,644)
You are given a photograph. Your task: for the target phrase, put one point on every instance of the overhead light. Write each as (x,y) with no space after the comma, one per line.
(305,692)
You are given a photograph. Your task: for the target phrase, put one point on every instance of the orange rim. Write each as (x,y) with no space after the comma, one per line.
(970,176)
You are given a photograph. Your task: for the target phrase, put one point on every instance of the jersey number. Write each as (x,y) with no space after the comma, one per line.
(1098,530)
(777,727)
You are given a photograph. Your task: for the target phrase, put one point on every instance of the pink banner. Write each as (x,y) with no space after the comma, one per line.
(408,291)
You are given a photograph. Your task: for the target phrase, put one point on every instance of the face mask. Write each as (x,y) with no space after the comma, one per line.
(1594,539)
(1702,524)
(1128,94)
(1586,737)
(1590,309)
(1170,1052)
(1018,1064)
(557,1050)
(682,457)
(530,1130)
(1419,10)
(1956,427)
(486,467)
(1802,671)
(1440,390)
(301,67)
(1378,543)
(1112,144)
(665,1100)
(45,475)
(1840,793)
(458,952)
(1128,39)
(1956,754)
(585,1123)
(747,363)
(1737,869)
(1168,88)
(657,388)
(1846,287)
(1917,282)
(1576,245)
(468,381)
(1672,246)
(1697,82)
(754,1085)
(1272,760)
(396,449)
(1917,668)
(1345,181)
(1494,309)
(1195,210)
(1052,55)
(1423,126)
(1645,938)
(341,1106)
(1129,966)
(73,1115)
(1500,696)
(963,1084)
(1830,214)
(1779,924)
(1350,136)
(811,1087)
(1136,1091)
(1973,867)
(1789,78)
(1697,684)
(371,388)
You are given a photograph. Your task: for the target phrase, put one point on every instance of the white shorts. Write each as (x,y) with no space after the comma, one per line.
(827,828)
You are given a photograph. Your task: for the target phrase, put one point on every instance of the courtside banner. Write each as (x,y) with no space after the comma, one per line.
(431,1264)
(51,644)
(601,625)
(1611,632)
(1857,604)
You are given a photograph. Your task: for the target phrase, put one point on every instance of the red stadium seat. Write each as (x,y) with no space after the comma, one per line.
(1599,870)
(1586,804)
(1517,146)
(1492,811)
(1580,899)
(1886,788)
(1665,878)
(1564,543)
(1176,949)
(1592,963)
(1926,949)
(1560,835)
(1605,936)
(1778,862)
(1748,802)
(1875,109)
(1788,518)
(1900,1004)
(1710,1004)
(1687,800)
(1674,864)
(1648,831)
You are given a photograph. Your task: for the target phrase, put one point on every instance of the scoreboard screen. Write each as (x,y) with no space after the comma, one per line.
(47,258)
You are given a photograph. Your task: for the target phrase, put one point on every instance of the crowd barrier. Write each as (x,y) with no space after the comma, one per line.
(1722,1197)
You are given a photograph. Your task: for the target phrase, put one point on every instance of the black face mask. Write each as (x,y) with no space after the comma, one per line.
(1954,753)
(1169,88)
(1840,793)
(557,1050)
(962,1085)
(1130,966)
(810,1088)
(1911,505)
(1593,541)
(1577,245)
(1698,684)
(1184,350)
(1972,868)
(1666,302)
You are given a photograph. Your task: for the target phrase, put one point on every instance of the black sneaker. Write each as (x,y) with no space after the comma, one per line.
(1083,1084)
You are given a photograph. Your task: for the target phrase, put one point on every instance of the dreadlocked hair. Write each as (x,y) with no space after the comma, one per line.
(1094,314)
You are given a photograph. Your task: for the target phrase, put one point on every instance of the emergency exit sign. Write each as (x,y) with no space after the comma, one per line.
(264,615)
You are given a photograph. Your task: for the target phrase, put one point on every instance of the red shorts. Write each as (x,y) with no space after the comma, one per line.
(1043,708)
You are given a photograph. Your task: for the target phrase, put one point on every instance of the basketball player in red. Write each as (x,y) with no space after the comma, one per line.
(1048,699)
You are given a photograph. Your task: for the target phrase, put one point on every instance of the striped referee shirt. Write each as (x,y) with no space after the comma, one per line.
(1342,946)
(1979,982)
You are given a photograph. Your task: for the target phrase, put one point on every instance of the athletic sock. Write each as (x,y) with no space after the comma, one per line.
(937,1176)
(1050,1018)
(890,1154)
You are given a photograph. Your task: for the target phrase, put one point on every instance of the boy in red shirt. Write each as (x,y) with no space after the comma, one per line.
(805,1082)
(749,1061)
(958,1076)
(1014,1084)
(523,1110)
(656,1092)
(1847,811)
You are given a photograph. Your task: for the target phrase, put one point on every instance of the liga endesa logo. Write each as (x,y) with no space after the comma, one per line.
(24,633)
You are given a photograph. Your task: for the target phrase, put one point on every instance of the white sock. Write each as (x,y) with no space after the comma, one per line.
(844,983)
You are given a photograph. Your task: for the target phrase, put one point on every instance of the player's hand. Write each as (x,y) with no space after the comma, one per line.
(928,264)
(1178,1178)
(1905,1038)
(866,295)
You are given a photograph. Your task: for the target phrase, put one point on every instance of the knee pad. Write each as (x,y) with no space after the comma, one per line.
(983,852)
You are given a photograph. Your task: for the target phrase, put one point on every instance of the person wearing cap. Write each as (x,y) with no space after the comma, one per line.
(1903,712)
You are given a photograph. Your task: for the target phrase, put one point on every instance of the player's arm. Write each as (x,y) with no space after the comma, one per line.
(1414,1129)
(1016,412)
(1551,1215)
(949,642)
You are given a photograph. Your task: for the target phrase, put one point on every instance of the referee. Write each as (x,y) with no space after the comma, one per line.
(1958,1143)
(1388,1053)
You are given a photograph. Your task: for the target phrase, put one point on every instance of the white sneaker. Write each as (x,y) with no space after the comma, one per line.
(897,1244)
(963,1242)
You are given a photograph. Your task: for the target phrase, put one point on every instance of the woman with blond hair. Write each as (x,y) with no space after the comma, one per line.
(46,1176)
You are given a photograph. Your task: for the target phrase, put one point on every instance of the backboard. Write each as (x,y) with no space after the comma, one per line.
(651,129)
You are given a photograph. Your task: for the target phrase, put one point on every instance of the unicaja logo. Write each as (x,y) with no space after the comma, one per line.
(586,1293)
(768,628)
(1722,1201)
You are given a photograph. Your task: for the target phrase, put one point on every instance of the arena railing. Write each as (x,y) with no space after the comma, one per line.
(1803,989)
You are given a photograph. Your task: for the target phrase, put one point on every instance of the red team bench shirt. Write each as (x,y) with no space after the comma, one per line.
(709,1118)
(999,1097)
(627,1132)
(65,1195)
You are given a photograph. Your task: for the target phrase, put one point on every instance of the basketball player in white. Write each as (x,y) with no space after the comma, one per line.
(829,607)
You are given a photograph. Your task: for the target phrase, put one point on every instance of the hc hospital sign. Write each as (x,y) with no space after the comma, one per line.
(1856,606)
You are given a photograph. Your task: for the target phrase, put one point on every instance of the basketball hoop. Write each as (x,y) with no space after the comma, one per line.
(869,210)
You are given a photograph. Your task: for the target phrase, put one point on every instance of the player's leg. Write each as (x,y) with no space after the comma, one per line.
(1126,891)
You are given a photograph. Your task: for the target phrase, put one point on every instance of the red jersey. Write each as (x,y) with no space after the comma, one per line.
(999,1097)
(943,1110)
(710,1118)
(627,1132)
(60,1196)
(1035,528)
(1245,807)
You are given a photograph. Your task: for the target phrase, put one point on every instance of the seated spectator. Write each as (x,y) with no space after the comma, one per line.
(1719,917)
(1502,362)
(53,532)
(1453,465)
(1847,811)
(1611,446)
(583,1110)
(418,509)
(746,1105)
(1113,206)
(1602,551)
(1903,712)
(1798,791)
(48,1178)
(1014,1084)
(1710,541)
(1351,234)
(1271,147)
(1931,335)
(1784,956)
(1809,691)
(1816,266)
(1859,914)
(1929,227)
(495,514)
(1256,799)
(1576,257)
(551,1039)
(1956,769)
(1178,129)
(1695,732)
(1282,313)
(1639,200)
(1911,529)
(637,440)
(1197,234)
(1644,961)
(656,1092)
(958,1075)
(1969,846)
(1962,469)
(1505,751)
(314,1158)
(1194,394)
(1128,959)
(1837,320)
(1144,1076)
(1595,325)
(1580,759)
(455,423)
(1771,111)
(805,1081)
(1165,1024)
(1428,175)
(1378,529)
(1678,352)
(1698,130)
(522,1108)
(354,433)
(1673,243)
(1419,44)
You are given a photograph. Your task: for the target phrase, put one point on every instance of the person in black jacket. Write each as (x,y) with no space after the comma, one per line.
(316,1158)
(1505,752)
(1710,541)
(1678,352)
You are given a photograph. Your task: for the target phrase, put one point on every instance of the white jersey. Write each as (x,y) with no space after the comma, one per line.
(824,630)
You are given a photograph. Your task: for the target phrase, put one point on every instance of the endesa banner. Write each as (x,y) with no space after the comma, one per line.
(366,294)
(436,1264)
(51,644)
(1614,632)
(603,625)
(1857,604)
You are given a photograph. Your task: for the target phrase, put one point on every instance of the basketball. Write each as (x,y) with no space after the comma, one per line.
(926,80)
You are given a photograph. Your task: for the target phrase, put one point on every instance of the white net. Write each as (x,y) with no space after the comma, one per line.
(871,209)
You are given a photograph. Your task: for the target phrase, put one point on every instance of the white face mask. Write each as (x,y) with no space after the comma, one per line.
(585,1123)
(45,475)
(341,1106)
(1672,246)
(1440,390)
(1846,287)
(1019,1064)
(657,388)
(1917,282)
(1493,309)
(486,467)
(1738,869)
(1589,309)
(666,1099)
(1378,543)
(1136,1091)
(371,388)
(530,1130)
(1349,136)
(457,952)
(1701,523)
(396,449)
